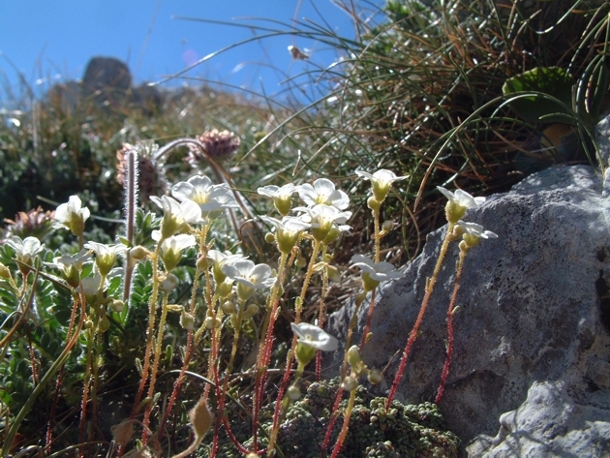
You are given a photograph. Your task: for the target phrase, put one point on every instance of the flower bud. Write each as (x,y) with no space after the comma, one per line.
(269,237)
(104,324)
(169,282)
(387,226)
(211,322)
(139,252)
(4,271)
(187,321)
(333,274)
(251,311)
(122,433)
(373,204)
(293,393)
(353,356)
(225,288)
(229,307)
(350,383)
(300,261)
(117,306)
(203,263)
(201,419)
(72,275)
(375,377)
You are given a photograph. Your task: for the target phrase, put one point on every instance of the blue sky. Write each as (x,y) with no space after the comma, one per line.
(48,41)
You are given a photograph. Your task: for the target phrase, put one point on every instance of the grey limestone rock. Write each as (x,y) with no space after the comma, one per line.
(531,362)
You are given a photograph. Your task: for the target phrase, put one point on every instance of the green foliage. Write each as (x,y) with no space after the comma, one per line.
(553,82)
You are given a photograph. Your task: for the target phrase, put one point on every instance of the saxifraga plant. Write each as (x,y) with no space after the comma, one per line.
(218,296)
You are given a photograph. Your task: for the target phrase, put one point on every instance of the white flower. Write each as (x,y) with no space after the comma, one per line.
(91,285)
(25,249)
(65,261)
(381,182)
(315,337)
(461,198)
(210,197)
(378,271)
(220,259)
(472,233)
(257,276)
(288,231)
(105,255)
(323,192)
(324,218)
(176,214)
(477,229)
(70,266)
(458,202)
(281,196)
(172,247)
(249,277)
(72,215)
(273,191)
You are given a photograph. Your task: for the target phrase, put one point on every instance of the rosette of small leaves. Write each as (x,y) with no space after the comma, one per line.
(406,431)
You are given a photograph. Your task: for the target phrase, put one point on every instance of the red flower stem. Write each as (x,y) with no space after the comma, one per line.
(345,428)
(333,418)
(450,335)
(152,308)
(177,384)
(265,351)
(422,310)
(348,340)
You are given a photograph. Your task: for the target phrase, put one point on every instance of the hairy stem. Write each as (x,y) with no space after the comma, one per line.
(450,336)
(422,310)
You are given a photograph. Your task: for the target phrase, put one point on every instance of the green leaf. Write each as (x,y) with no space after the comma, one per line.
(551,97)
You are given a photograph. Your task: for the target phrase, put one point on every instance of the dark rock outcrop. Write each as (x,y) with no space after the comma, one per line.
(107,83)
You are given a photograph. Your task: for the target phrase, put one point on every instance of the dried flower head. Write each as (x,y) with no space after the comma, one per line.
(217,145)
(34,223)
(149,173)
